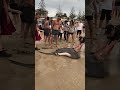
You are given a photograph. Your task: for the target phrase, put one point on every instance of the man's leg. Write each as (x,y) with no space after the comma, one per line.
(90,24)
(26,31)
(65,35)
(56,36)
(60,36)
(33,30)
(108,16)
(1,44)
(102,17)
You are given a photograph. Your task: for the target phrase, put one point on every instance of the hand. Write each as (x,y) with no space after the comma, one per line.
(19,12)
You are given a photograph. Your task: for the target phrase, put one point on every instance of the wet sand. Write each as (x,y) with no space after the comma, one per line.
(59,72)
(13,76)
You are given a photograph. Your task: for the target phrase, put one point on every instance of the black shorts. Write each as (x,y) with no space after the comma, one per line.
(105,14)
(14,6)
(117,3)
(89,17)
(55,32)
(70,33)
(28,14)
(79,32)
(46,32)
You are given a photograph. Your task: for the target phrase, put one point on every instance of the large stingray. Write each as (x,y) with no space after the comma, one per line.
(69,52)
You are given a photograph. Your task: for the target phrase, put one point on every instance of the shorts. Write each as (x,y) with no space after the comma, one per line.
(89,17)
(79,32)
(105,14)
(46,32)
(117,3)
(55,32)
(14,6)
(70,33)
(28,14)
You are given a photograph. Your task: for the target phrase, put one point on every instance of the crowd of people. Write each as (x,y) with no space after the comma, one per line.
(99,13)
(58,30)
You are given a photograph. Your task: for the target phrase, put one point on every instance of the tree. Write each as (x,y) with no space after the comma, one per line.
(64,15)
(59,11)
(83,16)
(42,11)
(42,5)
(79,16)
(72,13)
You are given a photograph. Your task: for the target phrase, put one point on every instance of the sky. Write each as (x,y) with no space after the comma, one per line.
(66,5)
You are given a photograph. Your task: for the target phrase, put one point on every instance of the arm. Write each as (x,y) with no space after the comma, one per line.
(113,4)
(52,24)
(94,5)
(105,51)
(60,25)
(13,10)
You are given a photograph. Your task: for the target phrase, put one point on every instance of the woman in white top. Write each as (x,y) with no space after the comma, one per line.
(106,11)
(71,30)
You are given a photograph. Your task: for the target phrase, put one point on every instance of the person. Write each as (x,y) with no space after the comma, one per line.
(89,11)
(117,9)
(6,25)
(79,28)
(106,11)
(113,35)
(96,14)
(56,25)
(14,5)
(27,18)
(60,33)
(71,30)
(47,30)
(37,34)
(65,28)
(80,44)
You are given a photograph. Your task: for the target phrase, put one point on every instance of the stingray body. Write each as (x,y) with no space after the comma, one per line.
(69,52)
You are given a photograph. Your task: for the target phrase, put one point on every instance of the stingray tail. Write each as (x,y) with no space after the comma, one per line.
(52,53)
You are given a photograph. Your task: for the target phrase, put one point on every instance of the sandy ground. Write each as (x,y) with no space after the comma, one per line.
(58,72)
(13,76)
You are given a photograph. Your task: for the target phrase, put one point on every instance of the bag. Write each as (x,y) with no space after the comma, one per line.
(94,68)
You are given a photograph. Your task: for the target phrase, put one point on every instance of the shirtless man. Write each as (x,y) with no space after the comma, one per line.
(56,25)
(89,11)
(47,30)
(27,18)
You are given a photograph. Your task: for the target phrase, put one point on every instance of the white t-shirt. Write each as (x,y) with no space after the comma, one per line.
(80,26)
(106,4)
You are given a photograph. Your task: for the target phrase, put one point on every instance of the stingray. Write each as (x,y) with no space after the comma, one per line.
(68,52)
